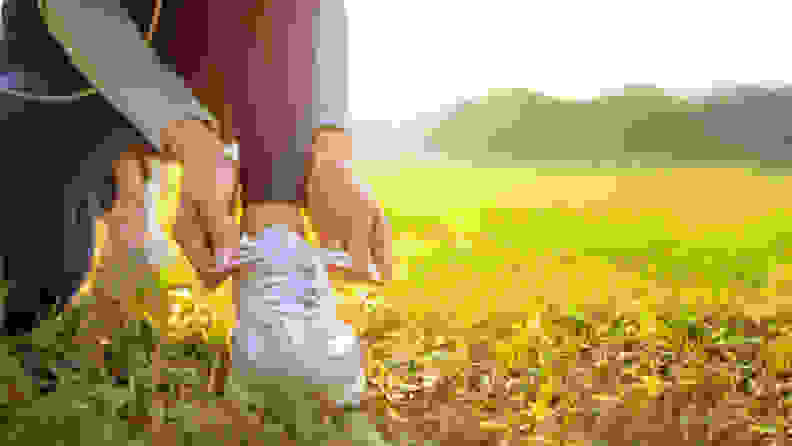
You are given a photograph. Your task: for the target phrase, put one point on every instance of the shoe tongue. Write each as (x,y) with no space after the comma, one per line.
(270,235)
(281,250)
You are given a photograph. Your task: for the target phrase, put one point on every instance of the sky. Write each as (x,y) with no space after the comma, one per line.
(415,55)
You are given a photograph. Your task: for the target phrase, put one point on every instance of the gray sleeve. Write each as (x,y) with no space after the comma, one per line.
(330,63)
(105,46)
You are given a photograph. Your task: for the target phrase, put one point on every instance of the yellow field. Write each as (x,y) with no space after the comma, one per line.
(692,201)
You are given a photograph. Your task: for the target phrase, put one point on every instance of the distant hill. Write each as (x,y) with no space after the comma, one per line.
(743,126)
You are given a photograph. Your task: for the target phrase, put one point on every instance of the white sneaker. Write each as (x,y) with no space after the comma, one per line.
(287,315)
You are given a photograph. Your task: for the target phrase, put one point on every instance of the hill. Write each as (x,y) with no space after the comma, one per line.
(637,126)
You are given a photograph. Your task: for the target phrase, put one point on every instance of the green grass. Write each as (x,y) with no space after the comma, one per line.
(88,407)
(673,260)
(720,258)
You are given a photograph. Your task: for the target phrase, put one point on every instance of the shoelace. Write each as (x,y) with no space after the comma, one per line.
(267,249)
(288,269)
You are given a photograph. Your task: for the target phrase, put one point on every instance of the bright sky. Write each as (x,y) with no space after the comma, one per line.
(414,55)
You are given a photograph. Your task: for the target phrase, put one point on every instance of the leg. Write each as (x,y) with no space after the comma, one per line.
(125,267)
(126,218)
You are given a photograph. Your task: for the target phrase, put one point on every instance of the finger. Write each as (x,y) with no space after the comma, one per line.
(327,241)
(382,241)
(200,172)
(212,125)
(337,245)
(226,259)
(359,250)
(191,237)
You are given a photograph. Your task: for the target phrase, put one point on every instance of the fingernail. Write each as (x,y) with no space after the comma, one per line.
(374,273)
(224,259)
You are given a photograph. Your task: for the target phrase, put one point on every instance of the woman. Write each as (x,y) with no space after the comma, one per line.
(275,120)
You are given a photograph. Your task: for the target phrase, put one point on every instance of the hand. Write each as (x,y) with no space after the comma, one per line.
(201,152)
(343,212)
(196,246)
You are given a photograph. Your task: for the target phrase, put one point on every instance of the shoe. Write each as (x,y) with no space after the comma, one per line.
(287,323)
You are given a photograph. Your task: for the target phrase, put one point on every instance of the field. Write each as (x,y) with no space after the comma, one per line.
(546,275)
(648,257)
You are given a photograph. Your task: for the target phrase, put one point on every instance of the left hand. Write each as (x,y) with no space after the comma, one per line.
(343,212)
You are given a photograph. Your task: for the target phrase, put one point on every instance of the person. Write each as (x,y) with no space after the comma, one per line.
(144,103)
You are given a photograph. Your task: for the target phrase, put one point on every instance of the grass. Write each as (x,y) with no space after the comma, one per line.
(92,406)
(557,279)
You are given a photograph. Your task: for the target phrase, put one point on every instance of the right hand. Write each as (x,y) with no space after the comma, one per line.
(189,234)
(197,146)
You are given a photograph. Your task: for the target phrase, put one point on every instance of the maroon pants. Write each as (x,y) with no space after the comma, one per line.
(263,50)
